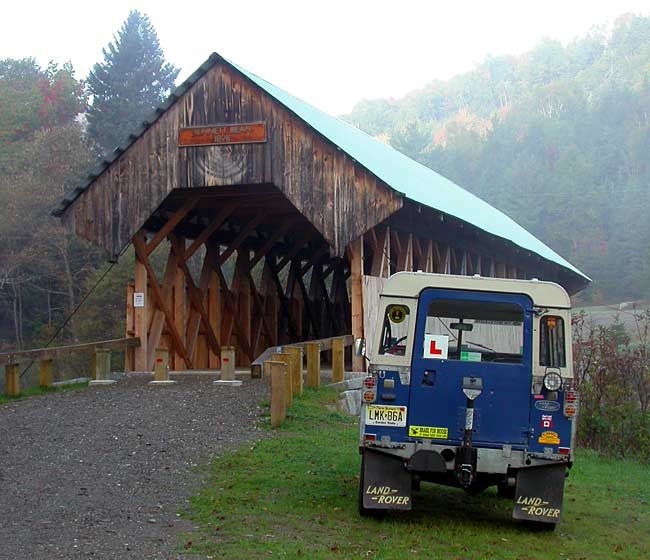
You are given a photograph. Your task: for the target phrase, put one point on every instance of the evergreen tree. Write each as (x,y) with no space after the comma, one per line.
(129,83)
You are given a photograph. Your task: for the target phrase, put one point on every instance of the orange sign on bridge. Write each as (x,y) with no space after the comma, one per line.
(222,134)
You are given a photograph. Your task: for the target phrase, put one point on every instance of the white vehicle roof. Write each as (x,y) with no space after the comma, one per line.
(410,284)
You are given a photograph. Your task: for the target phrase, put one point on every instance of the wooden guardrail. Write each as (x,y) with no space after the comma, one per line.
(45,356)
(283,365)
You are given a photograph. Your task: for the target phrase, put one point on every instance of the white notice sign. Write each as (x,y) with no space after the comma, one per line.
(435,346)
(138,299)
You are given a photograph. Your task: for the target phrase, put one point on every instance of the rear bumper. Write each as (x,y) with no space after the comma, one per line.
(489,461)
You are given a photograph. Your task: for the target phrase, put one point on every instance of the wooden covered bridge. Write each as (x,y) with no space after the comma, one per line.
(276,221)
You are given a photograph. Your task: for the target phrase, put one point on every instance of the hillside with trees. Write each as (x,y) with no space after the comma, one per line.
(558,138)
(52,127)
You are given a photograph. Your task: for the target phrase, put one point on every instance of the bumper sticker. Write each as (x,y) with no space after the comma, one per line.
(549,438)
(428,432)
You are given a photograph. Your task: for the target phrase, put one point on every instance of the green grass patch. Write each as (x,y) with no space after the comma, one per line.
(42,391)
(294,495)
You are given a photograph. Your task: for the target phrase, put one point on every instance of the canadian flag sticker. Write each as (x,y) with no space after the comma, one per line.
(436,346)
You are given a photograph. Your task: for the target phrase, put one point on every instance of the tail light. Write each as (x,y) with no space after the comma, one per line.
(370,389)
(571,402)
(563,450)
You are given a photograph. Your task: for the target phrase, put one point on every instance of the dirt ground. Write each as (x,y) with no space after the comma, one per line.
(103,472)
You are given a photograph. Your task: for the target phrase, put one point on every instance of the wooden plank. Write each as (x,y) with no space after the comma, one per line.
(179,312)
(129,354)
(296,371)
(141,315)
(54,352)
(355,253)
(214,315)
(175,219)
(241,236)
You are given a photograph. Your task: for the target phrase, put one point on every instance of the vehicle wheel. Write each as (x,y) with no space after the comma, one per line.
(363,511)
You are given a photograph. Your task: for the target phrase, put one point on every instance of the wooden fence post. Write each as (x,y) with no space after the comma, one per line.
(313,365)
(45,373)
(338,360)
(12,380)
(279,384)
(102,361)
(286,359)
(296,368)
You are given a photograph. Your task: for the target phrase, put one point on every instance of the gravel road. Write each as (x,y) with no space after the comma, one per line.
(102,472)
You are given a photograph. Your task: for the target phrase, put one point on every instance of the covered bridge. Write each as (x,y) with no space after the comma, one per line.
(277,220)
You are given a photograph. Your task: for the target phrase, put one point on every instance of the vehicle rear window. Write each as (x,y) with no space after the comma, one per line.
(551,342)
(476,330)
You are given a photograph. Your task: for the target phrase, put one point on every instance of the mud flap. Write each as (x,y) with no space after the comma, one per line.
(386,482)
(539,494)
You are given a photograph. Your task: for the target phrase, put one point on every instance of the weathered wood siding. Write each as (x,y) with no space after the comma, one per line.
(339,197)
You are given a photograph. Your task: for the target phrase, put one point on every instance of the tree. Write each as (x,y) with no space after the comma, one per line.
(129,83)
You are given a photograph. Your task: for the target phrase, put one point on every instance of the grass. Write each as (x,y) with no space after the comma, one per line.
(42,391)
(294,495)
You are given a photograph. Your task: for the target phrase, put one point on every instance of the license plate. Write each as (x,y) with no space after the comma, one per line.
(381,415)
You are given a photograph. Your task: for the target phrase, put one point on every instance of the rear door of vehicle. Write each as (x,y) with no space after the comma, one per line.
(496,348)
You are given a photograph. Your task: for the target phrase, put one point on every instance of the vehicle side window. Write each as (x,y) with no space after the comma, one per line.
(476,331)
(394,334)
(552,352)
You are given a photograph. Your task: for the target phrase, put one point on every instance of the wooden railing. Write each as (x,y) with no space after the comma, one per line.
(283,365)
(45,356)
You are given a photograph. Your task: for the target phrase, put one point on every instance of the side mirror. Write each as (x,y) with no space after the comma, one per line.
(360,347)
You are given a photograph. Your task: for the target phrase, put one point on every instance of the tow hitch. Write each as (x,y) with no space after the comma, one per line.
(466,455)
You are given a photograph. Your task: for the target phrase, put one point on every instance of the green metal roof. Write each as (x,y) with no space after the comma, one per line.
(410,178)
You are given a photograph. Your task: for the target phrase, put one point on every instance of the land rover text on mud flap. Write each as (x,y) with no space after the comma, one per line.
(470,384)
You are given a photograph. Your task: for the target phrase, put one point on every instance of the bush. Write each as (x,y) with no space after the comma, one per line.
(612,368)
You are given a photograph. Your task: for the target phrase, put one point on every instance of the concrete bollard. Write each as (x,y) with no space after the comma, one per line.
(102,362)
(12,380)
(338,360)
(286,359)
(279,382)
(228,367)
(313,365)
(45,374)
(161,368)
(296,368)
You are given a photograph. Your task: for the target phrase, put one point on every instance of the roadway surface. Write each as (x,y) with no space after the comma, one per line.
(103,472)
